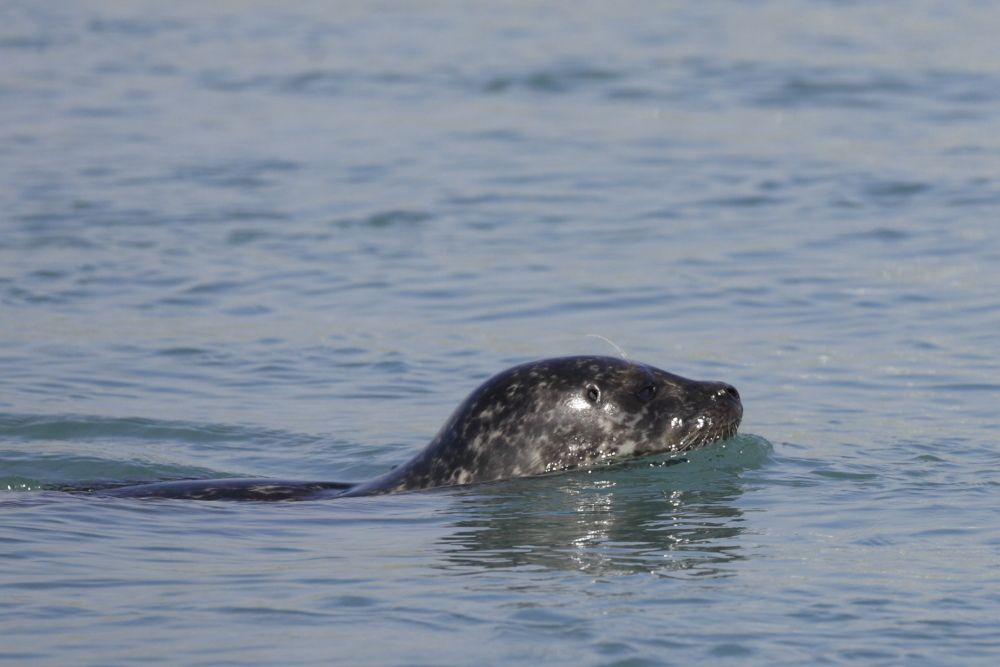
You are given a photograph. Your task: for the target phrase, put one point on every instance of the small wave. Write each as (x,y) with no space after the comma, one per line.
(742,452)
(387,218)
(55,451)
(559,79)
(79,427)
(60,471)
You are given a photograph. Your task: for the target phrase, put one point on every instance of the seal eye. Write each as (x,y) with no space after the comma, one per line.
(593,393)
(647,392)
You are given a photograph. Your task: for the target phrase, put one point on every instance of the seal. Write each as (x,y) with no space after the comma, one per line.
(541,417)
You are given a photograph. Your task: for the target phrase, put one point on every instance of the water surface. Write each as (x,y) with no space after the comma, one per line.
(237,239)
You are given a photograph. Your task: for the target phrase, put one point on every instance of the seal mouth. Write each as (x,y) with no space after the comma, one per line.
(710,433)
(714,433)
(714,427)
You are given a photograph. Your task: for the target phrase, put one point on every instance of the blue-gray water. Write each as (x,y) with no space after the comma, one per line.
(238,239)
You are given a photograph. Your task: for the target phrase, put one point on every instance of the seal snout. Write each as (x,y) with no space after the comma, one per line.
(727,397)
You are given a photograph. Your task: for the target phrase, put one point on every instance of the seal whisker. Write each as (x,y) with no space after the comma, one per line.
(610,342)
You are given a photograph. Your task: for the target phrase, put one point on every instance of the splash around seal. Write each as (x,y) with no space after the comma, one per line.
(540,417)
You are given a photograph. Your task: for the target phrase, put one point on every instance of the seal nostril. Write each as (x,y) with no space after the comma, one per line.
(728,390)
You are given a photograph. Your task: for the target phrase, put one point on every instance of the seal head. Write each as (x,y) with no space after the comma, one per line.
(563,413)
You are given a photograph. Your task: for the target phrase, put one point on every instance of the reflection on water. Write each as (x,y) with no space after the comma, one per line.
(669,520)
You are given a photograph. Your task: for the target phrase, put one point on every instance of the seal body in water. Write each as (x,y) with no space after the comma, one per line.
(539,417)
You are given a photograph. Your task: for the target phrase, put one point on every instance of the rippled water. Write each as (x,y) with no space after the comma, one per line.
(243,240)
